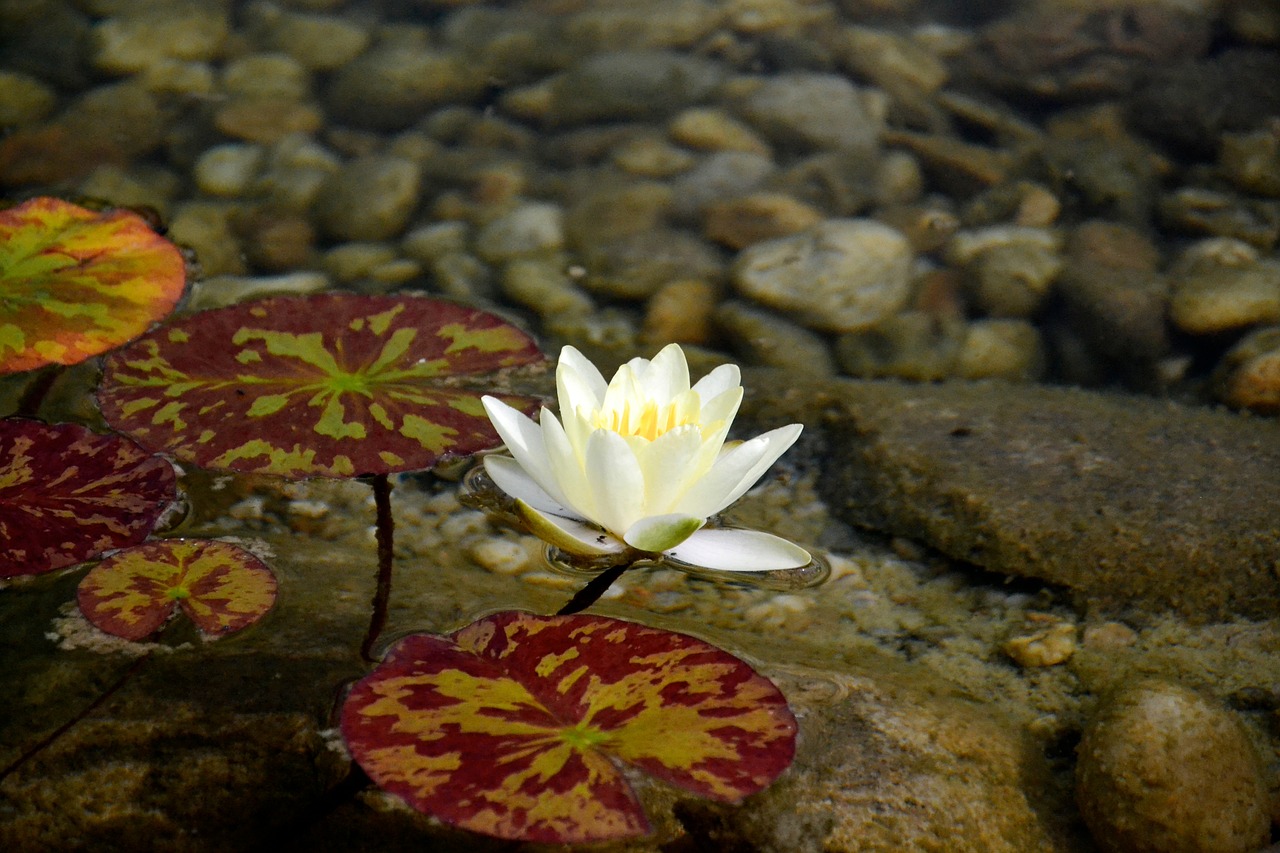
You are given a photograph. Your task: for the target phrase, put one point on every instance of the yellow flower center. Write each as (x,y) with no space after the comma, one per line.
(647,420)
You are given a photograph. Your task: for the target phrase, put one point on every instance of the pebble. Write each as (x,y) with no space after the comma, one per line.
(1046,642)
(635,266)
(714,129)
(501,555)
(277,241)
(840,275)
(1248,376)
(652,157)
(297,167)
(267,75)
(891,60)
(813,111)
(176,78)
(928,227)
(109,124)
(619,85)
(959,167)
(139,186)
(228,170)
(370,198)
(720,175)
(997,348)
(24,99)
(1163,768)
(206,227)
(680,311)
(762,338)
(600,214)
(319,42)
(266,120)
(544,288)
(353,261)
(532,228)
(181,29)
(739,222)
(222,290)
(655,23)
(1251,161)
(1220,284)
(462,276)
(912,345)
(428,242)
(1219,213)
(393,83)
(1115,294)
(1009,269)
(899,180)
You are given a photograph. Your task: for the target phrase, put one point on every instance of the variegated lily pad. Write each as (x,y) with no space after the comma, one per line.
(332,385)
(75,283)
(513,726)
(68,494)
(220,586)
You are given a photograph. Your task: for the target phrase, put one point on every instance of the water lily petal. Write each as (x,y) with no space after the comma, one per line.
(666,376)
(723,378)
(730,550)
(736,471)
(572,535)
(524,439)
(660,532)
(567,467)
(617,485)
(578,382)
(670,464)
(722,407)
(507,475)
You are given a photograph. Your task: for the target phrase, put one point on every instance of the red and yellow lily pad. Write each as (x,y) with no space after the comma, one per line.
(68,495)
(515,725)
(331,385)
(221,587)
(75,283)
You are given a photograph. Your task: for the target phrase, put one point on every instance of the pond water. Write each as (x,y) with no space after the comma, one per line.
(905,219)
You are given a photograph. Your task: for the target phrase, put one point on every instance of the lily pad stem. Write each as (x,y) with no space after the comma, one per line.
(596,587)
(385,532)
(37,389)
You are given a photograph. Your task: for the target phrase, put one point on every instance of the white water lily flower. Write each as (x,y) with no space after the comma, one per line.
(640,464)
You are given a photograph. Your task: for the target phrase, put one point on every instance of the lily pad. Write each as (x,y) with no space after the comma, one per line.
(68,495)
(515,725)
(331,385)
(134,592)
(75,283)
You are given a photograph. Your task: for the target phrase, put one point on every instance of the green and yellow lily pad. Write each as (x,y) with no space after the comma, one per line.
(331,385)
(221,587)
(517,725)
(75,283)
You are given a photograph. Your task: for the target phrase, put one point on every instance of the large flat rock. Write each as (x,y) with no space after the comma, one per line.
(1133,503)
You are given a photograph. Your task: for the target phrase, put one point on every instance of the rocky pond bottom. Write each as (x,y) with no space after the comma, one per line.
(1056,607)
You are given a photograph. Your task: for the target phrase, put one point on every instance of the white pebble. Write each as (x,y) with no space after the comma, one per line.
(500,556)
(227,170)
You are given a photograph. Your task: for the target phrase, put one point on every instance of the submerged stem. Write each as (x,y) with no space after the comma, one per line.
(38,747)
(385,532)
(37,390)
(596,587)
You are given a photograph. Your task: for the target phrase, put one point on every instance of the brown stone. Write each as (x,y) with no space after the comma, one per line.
(1129,502)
